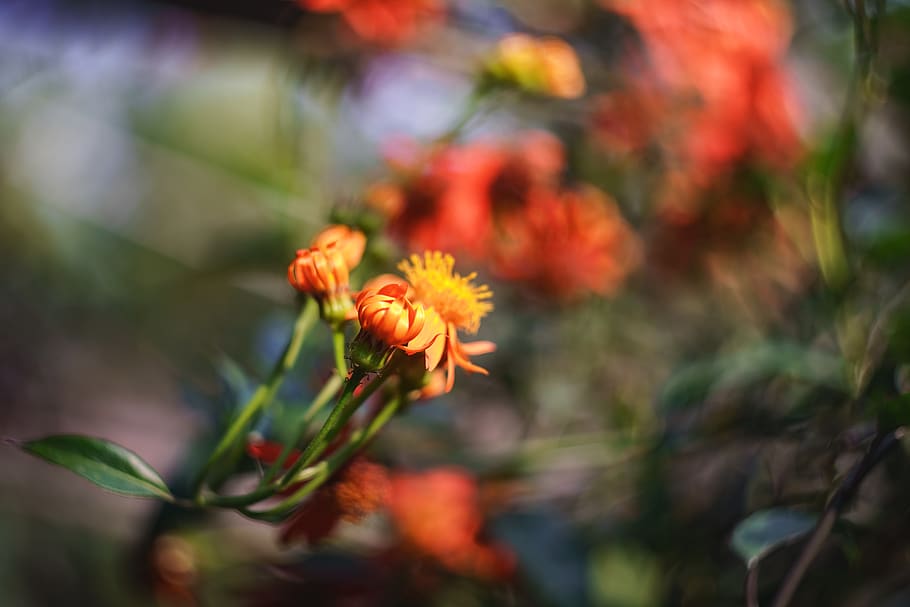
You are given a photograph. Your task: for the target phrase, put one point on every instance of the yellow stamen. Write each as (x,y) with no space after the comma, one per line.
(456,299)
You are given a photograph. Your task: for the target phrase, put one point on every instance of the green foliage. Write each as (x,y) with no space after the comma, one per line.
(766,530)
(106,464)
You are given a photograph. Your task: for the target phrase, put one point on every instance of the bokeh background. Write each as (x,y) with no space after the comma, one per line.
(699,263)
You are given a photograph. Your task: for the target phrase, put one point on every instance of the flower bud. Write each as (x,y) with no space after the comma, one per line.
(319,271)
(323,273)
(387,319)
(349,241)
(545,66)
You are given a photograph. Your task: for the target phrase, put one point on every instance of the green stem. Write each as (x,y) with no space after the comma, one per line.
(328,390)
(330,465)
(236,501)
(345,407)
(338,347)
(468,111)
(264,394)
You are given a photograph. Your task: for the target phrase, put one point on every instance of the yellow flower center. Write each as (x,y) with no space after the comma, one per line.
(455,298)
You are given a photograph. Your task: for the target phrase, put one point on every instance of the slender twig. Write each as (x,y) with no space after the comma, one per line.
(316,476)
(338,344)
(265,393)
(325,394)
(347,404)
(752,586)
(12,442)
(880,447)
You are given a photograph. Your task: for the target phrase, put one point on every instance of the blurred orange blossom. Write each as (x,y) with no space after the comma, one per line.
(718,64)
(547,66)
(503,204)
(565,244)
(438,514)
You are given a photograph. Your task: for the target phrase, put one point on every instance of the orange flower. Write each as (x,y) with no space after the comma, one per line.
(546,66)
(448,196)
(386,313)
(719,63)
(319,271)
(437,513)
(379,21)
(567,244)
(349,241)
(323,270)
(452,302)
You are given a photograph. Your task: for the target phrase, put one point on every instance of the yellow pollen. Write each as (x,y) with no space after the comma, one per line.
(455,297)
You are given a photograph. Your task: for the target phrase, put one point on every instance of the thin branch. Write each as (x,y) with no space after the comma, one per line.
(752,586)
(880,447)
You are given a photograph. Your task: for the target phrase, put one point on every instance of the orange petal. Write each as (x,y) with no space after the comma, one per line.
(475,348)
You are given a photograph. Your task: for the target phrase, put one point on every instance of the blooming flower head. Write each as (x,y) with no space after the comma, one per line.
(545,66)
(453,302)
(423,315)
(438,514)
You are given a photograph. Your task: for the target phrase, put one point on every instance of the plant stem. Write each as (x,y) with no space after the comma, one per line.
(752,586)
(325,394)
(338,347)
(469,110)
(345,407)
(262,397)
(880,447)
(325,469)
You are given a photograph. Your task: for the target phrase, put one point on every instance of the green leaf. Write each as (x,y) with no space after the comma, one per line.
(766,530)
(106,464)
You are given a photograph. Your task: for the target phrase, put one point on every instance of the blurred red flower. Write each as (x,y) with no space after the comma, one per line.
(719,65)
(445,196)
(565,244)
(380,21)
(502,203)
(438,514)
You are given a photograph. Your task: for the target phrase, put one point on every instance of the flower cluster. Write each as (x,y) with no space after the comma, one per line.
(503,205)
(713,89)
(423,315)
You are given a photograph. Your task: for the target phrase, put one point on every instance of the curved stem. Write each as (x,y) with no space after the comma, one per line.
(325,394)
(325,469)
(469,110)
(264,394)
(341,366)
(881,446)
(752,586)
(345,407)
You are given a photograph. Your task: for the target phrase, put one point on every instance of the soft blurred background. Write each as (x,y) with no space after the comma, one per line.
(699,255)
